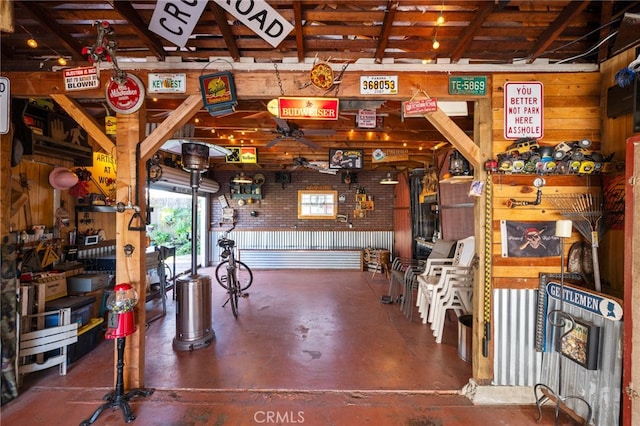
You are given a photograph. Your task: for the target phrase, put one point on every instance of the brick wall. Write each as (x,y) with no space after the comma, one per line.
(279,207)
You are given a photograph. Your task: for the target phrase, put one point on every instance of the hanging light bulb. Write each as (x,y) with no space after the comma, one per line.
(436,43)
(32,43)
(62,61)
(440,19)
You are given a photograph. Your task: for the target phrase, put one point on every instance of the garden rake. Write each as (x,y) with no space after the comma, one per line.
(586,212)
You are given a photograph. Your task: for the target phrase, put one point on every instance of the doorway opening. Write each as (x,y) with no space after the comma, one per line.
(170,226)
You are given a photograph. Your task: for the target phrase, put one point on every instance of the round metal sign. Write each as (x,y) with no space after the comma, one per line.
(125,98)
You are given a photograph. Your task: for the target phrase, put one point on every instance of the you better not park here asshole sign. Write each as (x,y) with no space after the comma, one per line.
(523,110)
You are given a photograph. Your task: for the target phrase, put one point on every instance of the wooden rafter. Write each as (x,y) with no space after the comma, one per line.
(297,14)
(43,19)
(383,38)
(464,41)
(227,35)
(139,27)
(556,28)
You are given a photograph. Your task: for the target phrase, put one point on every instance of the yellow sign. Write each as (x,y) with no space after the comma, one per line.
(104,174)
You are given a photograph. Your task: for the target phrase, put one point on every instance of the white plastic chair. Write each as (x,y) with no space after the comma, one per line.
(456,294)
(435,273)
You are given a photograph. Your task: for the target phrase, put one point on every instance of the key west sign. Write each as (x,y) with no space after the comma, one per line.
(175,20)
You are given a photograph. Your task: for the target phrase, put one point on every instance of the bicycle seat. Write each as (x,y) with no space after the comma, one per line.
(226,243)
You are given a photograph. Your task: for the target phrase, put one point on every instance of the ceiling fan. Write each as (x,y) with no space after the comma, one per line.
(289,130)
(321,166)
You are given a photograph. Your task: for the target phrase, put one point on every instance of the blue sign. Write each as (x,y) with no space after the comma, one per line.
(600,305)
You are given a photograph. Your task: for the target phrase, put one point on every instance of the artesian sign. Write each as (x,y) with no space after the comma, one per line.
(81,79)
(308,108)
(260,17)
(175,20)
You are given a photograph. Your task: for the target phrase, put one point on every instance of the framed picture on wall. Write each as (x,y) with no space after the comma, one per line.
(580,342)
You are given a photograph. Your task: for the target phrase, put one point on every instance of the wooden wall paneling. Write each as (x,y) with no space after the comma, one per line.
(615,131)
(402,235)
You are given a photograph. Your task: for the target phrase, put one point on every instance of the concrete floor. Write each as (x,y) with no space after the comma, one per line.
(309,347)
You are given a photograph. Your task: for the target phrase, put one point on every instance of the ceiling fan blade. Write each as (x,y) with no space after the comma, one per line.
(272,142)
(260,114)
(308,143)
(282,124)
(319,132)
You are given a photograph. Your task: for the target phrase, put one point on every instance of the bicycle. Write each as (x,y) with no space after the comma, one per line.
(232,275)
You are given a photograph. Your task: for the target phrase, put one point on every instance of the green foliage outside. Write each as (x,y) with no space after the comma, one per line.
(173,228)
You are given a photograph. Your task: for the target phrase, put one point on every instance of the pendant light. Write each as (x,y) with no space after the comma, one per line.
(389,180)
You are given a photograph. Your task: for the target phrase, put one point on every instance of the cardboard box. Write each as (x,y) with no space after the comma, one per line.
(55,286)
(87,282)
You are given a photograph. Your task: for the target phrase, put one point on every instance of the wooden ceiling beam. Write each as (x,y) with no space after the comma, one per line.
(227,35)
(138,26)
(88,123)
(383,37)
(51,26)
(464,40)
(297,16)
(555,29)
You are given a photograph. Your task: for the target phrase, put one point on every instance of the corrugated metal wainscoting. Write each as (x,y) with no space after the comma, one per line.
(600,387)
(306,249)
(516,362)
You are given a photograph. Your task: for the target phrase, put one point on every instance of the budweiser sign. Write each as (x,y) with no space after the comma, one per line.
(309,108)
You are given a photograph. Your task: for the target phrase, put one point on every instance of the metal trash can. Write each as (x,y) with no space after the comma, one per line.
(465,336)
(193,313)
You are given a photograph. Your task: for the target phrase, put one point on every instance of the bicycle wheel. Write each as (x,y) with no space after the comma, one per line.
(234,291)
(243,274)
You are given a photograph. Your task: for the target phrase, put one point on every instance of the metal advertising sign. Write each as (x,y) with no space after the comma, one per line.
(418,107)
(125,98)
(81,79)
(308,108)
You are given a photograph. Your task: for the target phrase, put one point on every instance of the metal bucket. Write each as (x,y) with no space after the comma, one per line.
(465,336)
(193,313)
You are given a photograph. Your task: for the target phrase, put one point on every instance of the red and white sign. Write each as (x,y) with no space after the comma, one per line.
(308,108)
(523,110)
(367,118)
(81,79)
(419,107)
(125,98)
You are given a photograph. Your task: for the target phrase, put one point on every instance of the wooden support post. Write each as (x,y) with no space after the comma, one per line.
(131,269)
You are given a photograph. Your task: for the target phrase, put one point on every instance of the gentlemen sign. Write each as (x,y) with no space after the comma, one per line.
(260,17)
(523,109)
